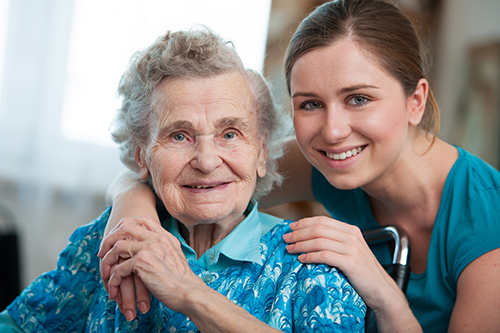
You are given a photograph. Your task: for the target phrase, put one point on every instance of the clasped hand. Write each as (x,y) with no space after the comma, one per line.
(138,251)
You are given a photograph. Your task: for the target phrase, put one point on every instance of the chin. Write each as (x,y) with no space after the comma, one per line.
(344,184)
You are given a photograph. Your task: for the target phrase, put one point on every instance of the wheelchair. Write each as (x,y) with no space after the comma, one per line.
(399,269)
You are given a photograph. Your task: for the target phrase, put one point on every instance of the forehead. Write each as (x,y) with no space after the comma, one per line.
(343,63)
(226,95)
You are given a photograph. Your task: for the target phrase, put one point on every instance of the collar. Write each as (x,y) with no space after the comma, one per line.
(242,244)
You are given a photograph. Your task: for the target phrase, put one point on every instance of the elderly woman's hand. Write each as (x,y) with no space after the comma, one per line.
(130,197)
(141,247)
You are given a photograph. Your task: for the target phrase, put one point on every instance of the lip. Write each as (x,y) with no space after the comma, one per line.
(341,163)
(206,186)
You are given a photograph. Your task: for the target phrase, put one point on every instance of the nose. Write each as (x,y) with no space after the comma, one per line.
(336,125)
(206,155)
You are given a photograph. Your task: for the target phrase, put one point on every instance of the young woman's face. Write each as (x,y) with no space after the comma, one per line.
(351,118)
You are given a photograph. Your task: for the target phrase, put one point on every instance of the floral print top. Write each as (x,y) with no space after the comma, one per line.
(282,292)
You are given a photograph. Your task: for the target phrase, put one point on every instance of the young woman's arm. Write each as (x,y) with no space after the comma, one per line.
(132,199)
(478,296)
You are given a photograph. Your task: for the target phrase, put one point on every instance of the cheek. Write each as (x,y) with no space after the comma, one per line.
(306,129)
(387,129)
(243,161)
(164,166)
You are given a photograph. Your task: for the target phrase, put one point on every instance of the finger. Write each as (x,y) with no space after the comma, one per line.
(133,228)
(127,290)
(321,244)
(123,249)
(142,294)
(321,220)
(119,272)
(323,257)
(119,302)
(320,229)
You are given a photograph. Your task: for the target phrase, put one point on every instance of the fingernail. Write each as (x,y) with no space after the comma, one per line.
(287,237)
(143,307)
(290,247)
(129,315)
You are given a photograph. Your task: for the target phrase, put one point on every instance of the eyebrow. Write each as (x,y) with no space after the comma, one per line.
(187,125)
(354,88)
(233,122)
(340,92)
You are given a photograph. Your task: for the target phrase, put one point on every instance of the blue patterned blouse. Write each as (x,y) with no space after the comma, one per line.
(281,292)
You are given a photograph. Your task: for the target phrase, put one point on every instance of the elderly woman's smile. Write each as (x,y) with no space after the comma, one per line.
(205,155)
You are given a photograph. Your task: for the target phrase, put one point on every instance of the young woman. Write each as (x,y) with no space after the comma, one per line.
(366,125)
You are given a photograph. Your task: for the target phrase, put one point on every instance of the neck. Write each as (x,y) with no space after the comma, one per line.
(202,237)
(410,194)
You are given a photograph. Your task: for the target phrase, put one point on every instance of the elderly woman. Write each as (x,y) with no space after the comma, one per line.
(203,132)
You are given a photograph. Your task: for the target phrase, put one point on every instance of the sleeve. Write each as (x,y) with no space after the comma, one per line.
(326,302)
(60,300)
(7,324)
(477,231)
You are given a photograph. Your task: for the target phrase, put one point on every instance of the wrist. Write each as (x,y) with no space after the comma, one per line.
(393,311)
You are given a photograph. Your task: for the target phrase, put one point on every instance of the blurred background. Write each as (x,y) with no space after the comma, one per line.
(61,60)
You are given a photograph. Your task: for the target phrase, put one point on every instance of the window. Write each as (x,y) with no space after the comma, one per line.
(106,33)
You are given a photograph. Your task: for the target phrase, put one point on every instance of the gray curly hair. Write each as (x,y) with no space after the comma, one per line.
(192,54)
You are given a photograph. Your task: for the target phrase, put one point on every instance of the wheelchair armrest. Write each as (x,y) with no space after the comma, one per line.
(401,242)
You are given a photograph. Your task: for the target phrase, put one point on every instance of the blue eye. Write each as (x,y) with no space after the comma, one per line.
(358,100)
(229,135)
(311,105)
(179,137)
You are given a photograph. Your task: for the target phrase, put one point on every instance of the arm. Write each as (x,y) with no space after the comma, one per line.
(328,241)
(155,256)
(478,295)
(130,197)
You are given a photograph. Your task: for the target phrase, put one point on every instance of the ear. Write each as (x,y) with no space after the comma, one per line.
(417,102)
(141,163)
(262,161)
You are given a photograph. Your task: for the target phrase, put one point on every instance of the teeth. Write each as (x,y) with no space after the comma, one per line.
(205,187)
(344,155)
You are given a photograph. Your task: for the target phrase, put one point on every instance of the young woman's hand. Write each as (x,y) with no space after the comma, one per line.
(324,240)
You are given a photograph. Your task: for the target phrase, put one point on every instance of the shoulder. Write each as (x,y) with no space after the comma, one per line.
(84,243)
(474,174)
(468,222)
(320,275)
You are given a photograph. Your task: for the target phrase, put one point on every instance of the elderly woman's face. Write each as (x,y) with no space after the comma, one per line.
(204,154)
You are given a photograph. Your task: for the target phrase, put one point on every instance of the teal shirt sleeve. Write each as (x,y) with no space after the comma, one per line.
(7,324)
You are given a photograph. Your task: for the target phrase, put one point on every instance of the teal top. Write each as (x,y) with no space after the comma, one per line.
(467,226)
(274,286)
